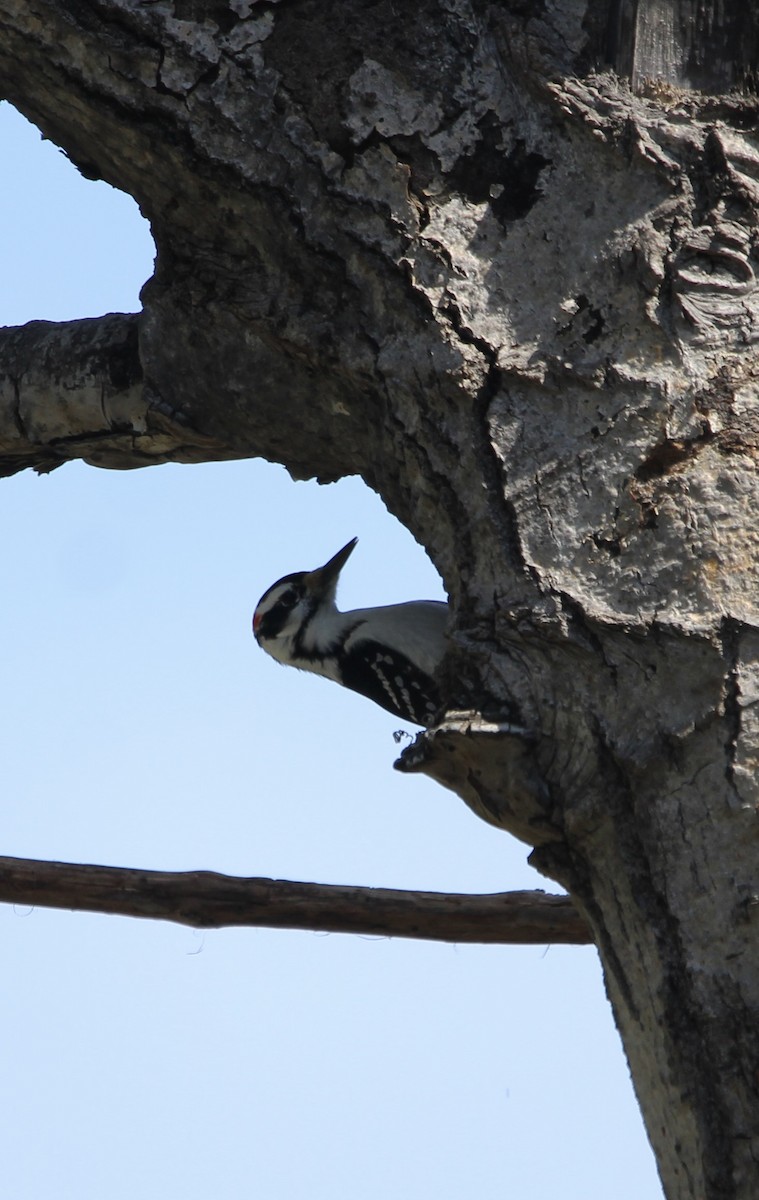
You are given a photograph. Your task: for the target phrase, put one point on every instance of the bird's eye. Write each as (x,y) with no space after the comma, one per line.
(270,621)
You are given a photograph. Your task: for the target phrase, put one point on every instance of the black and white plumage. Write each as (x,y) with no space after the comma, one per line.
(389,654)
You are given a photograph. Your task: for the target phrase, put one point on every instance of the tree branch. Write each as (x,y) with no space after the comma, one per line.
(208,900)
(75,389)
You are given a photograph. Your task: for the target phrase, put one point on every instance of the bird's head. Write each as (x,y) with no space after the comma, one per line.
(284,610)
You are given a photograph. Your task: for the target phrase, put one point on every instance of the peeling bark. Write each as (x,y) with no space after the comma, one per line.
(451,252)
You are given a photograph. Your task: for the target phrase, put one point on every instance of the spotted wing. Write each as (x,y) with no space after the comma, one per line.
(392,681)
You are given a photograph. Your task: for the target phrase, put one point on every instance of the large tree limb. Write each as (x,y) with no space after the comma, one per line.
(229,343)
(74,389)
(208,900)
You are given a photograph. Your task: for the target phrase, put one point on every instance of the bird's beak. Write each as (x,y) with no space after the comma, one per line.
(323,579)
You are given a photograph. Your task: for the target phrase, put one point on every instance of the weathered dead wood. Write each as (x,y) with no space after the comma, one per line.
(74,390)
(208,900)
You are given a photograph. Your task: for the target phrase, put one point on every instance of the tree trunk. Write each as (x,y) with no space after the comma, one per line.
(433,247)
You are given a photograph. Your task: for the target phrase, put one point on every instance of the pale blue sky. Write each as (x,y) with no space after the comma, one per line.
(144,728)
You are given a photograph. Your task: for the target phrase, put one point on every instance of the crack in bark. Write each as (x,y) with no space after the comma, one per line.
(730,632)
(17,418)
(452,312)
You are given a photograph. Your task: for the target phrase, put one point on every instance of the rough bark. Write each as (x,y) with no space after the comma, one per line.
(207,900)
(75,390)
(443,249)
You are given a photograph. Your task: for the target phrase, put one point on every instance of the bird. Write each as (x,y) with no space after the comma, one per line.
(389,654)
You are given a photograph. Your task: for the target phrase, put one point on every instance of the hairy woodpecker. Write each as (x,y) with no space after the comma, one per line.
(389,654)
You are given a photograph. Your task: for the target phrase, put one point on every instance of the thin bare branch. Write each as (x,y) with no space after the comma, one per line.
(207,900)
